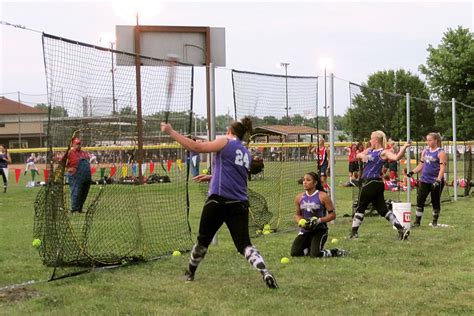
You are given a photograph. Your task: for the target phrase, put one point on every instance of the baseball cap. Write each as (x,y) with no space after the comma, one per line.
(76,141)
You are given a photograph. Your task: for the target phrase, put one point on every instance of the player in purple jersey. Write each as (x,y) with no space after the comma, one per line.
(5,159)
(432,167)
(372,189)
(227,200)
(314,209)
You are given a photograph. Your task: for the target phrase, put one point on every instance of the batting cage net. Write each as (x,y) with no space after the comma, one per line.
(283,110)
(122,196)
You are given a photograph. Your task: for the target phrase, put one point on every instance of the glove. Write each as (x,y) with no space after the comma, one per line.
(436,185)
(410,174)
(309,224)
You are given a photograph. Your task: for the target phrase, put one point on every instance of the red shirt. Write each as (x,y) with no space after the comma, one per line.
(352,155)
(73,158)
(322,155)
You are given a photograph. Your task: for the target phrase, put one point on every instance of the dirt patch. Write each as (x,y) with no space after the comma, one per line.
(17,294)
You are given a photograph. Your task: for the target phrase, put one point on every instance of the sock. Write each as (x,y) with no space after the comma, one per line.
(419,214)
(357,221)
(327,253)
(197,254)
(255,259)
(435,216)
(393,220)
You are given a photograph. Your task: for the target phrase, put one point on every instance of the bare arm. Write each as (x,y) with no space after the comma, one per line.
(202,178)
(8,159)
(419,167)
(326,200)
(388,154)
(363,154)
(189,144)
(442,165)
(298,215)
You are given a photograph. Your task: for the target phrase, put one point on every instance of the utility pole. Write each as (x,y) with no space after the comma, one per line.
(285,65)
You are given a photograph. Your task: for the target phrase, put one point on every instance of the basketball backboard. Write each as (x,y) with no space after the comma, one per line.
(192,44)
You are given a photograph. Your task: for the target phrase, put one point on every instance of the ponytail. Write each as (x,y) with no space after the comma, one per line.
(242,129)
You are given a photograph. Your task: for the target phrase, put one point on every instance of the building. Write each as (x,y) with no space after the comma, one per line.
(21,126)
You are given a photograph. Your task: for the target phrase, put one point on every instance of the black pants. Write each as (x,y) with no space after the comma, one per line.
(4,176)
(426,188)
(314,241)
(372,191)
(235,214)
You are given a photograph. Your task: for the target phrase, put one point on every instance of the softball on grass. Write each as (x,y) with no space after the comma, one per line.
(285,260)
(266,227)
(334,241)
(36,243)
(176,253)
(266,232)
(302,222)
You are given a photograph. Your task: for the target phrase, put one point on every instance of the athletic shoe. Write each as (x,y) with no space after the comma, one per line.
(188,276)
(416,224)
(5,190)
(270,280)
(354,235)
(403,234)
(341,252)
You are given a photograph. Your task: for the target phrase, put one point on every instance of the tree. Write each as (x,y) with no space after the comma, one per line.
(56,111)
(449,71)
(127,111)
(222,122)
(381,105)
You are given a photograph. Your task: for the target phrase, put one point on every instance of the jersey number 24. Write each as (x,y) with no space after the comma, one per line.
(242,159)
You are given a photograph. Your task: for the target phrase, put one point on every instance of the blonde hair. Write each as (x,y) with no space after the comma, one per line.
(381,137)
(436,136)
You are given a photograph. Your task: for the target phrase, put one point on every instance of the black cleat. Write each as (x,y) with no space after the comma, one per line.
(403,233)
(416,224)
(188,276)
(270,280)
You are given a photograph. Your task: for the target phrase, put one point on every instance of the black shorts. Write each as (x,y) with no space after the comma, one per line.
(353,166)
(323,169)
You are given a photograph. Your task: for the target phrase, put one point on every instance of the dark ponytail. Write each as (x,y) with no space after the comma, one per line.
(242,129)
(317,179)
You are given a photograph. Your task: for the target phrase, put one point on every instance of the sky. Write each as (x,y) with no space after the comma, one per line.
(358,37)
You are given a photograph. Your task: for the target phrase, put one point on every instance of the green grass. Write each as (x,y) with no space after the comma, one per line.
(431,273)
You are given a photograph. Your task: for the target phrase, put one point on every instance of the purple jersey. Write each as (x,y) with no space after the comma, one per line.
(310,205)
(431,165)
(3,161)
(230,171)
(374,165)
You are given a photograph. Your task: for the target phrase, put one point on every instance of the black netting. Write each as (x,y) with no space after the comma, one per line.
(136,204)
(284,111)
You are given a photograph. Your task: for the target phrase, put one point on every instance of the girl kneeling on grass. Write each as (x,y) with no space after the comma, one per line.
(314,209)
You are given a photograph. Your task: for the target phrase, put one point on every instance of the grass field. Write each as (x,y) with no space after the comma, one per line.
(431,273)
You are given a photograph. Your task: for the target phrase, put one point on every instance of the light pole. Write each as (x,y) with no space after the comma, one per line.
(110,38)
(325,63)
(285,65)
(113,79)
